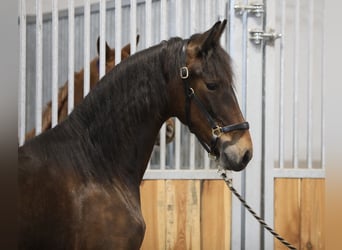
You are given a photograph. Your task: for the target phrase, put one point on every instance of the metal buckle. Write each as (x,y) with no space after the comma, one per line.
(191,92)
(184,72)
(217,131)
(212,156)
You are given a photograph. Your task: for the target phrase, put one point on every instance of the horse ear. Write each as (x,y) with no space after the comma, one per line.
(211,38)
(108,49)
(98,45)
(126,51)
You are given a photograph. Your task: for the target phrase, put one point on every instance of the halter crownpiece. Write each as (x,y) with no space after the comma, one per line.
(190,95)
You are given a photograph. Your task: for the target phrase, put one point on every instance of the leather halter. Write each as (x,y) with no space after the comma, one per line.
(190,95)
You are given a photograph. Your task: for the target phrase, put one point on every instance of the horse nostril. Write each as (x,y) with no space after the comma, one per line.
(246,157)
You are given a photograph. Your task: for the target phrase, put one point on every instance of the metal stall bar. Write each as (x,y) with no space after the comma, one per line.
(192,136)
(281,87)
(163,36)
(102,69)
(54,87)
(295,84)
(39,65)
(148,23)
(22,75)
(207,25)
(118,30)
(221,16)
(148,33)
(233,49)
(133,30)
(244,112)
(178,18)
(322,92)
(71,54)
(86,86)
(309,83)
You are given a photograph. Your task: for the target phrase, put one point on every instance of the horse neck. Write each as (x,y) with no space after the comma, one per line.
(116,122)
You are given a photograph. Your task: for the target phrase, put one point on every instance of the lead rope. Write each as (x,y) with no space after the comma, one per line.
(228,181)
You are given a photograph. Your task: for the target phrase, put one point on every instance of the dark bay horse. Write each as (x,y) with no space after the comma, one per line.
(79,182)
(78,91)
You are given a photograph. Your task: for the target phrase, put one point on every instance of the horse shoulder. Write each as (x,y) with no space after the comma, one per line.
(108,218)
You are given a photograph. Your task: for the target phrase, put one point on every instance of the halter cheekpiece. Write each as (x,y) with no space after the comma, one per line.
(190,95)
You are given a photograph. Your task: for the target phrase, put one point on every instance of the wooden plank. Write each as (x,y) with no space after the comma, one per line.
(215,215)
(186,214)
(183,214)
(312,214)
(153,206)
(287,197)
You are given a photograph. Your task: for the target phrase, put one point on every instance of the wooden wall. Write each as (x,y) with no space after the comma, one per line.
(196,214)
(299,212)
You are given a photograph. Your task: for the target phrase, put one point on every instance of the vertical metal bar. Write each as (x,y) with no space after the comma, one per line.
(163,36)
(322,90)
(86,86)
(244,112)
(234,50)
(54,94)
(192,136)
(163,21)
(71,54)
(231,23)
(133,30)
(220,16)
(295,85)
(178,18)
(281,87)
(207,13)
(177,143)
(309,91)
(118,30)
(22,76)
(39,65)
(162,143)
(102,70)
(148,23)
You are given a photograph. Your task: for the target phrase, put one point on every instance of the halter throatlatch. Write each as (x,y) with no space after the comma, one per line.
(216,130)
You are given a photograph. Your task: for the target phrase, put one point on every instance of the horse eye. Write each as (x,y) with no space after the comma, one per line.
(212,86)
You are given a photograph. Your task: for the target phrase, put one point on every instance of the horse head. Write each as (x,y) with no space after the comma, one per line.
(205,100)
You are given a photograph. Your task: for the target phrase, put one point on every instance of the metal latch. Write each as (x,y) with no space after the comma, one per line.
(256,36)
(257,9)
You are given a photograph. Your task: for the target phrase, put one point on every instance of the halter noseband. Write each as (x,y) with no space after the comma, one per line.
(216,130)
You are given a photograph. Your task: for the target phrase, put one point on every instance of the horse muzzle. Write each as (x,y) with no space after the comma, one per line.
(235,156)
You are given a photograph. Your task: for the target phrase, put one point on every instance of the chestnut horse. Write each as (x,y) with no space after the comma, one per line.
(79,182)
(78,92)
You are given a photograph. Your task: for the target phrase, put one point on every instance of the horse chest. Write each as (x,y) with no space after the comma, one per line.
(108,219)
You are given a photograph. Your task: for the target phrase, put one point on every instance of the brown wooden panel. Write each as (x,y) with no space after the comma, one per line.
(215,215)
(183,214)
(312,214)
(287,197)
(154,211)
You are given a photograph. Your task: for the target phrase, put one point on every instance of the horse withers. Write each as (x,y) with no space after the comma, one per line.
(79,182)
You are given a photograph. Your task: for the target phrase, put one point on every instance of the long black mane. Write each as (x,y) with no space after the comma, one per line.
(98,131)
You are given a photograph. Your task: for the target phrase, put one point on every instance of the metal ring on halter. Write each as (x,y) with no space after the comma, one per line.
(184,72)
(217,131)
